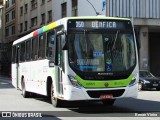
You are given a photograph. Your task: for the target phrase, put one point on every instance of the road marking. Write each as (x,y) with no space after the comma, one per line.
(3,83)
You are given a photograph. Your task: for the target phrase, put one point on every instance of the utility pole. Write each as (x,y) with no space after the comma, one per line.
(97,13)
(132,13)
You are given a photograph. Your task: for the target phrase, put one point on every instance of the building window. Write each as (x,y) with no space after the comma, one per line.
(50,16)
(21,27)
(21,11)
(43,18)
(7,3)
(25,25)
(64,9)
(13,14)
(43,2)
(26,8)
(7,18)
(33,21)
(74,7)
(13,1)
(33,4)
(7,32)
(13,30)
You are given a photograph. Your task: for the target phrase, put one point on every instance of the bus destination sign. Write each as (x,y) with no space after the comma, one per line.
(99,24)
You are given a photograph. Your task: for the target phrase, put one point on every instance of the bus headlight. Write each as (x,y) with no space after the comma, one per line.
(134,80)
(74,81)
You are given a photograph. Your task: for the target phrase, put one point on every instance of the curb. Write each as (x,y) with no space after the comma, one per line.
(3,77)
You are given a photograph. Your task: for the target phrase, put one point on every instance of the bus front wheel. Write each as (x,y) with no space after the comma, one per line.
(24,92)
(55,101)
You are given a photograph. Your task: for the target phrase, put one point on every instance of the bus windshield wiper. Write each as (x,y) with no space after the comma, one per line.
(115,40)
(85,40)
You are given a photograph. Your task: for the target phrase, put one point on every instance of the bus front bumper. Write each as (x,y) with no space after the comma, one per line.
(72,93)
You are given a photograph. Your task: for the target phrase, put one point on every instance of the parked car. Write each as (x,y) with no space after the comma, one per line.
(148,81)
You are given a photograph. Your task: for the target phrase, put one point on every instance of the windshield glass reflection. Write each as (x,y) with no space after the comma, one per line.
(102,52)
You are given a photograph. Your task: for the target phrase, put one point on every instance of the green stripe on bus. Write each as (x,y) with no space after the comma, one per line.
(101,84)
(45,28)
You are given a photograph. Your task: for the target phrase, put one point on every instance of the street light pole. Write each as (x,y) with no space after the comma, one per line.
(97,13)
(1,35)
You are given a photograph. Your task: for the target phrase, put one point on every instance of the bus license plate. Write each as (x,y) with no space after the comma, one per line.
(109,96)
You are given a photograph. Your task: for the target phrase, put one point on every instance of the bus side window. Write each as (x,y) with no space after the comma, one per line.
(35,48)
(14,54)
(28,50)
(50,44)
(42,46)
(22,52)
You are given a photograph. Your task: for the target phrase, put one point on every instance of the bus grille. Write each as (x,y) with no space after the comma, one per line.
(96,94)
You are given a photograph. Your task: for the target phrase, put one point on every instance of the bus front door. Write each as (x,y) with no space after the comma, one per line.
(59,60)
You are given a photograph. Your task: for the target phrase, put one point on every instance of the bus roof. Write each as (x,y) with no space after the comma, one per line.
(59,22)
(97,17)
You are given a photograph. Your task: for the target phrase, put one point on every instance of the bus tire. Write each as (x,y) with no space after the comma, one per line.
(55,101)
(158,89)
(25,94)
(108,102)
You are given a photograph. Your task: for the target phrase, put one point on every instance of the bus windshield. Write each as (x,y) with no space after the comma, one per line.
(102,50)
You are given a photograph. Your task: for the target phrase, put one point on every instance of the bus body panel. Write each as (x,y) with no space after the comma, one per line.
(35,73)
(74,93)
(14,75)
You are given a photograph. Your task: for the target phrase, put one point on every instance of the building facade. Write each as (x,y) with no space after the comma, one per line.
(8,33)
(33,14)
(20,18)
(10,21)
(63,8)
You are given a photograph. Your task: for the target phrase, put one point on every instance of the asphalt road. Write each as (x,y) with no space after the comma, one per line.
(146,106)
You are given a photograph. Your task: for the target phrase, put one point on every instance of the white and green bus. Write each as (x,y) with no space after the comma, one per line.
(78,58)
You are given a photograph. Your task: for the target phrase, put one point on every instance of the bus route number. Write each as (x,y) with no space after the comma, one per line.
(79,24)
